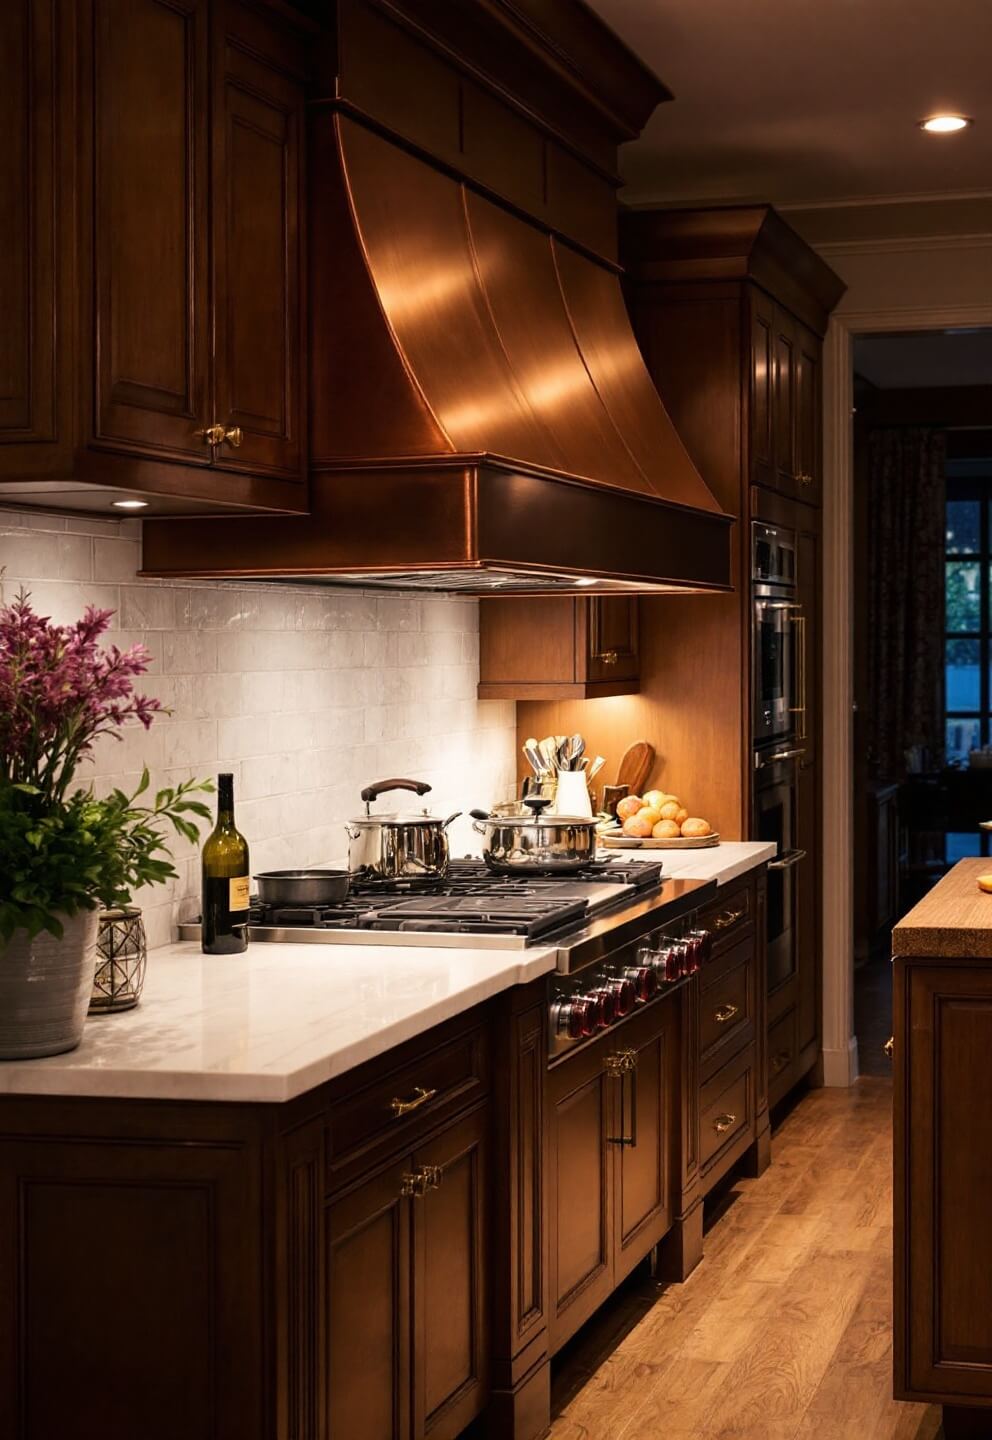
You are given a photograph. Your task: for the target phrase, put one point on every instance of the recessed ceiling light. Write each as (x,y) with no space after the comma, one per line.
(129,504)
(945,124)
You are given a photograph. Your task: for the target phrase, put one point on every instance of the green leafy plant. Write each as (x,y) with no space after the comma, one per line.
(62,849)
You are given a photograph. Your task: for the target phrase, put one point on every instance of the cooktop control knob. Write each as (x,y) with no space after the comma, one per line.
(606,1005)
(625,993)
(644,980)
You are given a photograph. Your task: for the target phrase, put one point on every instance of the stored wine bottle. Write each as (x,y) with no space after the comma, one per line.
(226,887)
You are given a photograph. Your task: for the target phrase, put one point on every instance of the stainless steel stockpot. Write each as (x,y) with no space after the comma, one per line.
(530,842)
(403,845)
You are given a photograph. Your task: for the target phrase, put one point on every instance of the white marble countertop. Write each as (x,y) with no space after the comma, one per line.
(273,1023)
(723,862)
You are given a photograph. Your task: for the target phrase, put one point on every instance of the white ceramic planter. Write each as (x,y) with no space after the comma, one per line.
(45,988)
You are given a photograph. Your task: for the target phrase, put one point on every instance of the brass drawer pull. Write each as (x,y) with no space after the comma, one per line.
(609,657)
(724,1122)
(728,918)
(416,1183)
(403,1107)
(780,1061)
(621,1063)
(725,1013)
(889,1046)
(218,434)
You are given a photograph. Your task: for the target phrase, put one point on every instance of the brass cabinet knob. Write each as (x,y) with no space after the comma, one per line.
(724,1013)
(609,657)
(416,1183)
(622,1063)
(804,478)
(780,1061)
(889,1046)
(724,1122)
(219,434)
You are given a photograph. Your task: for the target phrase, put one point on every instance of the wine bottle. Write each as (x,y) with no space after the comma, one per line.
(226,886)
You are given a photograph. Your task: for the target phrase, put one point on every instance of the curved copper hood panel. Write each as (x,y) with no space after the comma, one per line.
(481,417)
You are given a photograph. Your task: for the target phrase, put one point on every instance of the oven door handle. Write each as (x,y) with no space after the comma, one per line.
(795,753)
(790,858)
(760,604)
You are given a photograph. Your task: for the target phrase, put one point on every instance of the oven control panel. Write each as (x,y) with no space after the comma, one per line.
(602,995)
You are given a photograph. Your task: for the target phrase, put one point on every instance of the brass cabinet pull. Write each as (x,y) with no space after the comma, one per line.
(723,1122)
(725,1013)
(889,1046)
(416,1183)
(619,1066)
(728,918)
(780,1061)
(609,657)
(218,434)
(420,1097)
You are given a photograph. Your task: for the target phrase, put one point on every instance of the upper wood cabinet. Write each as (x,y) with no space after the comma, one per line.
(166,345)
(558,647)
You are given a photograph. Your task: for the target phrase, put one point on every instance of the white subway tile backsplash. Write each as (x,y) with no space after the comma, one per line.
(305,693)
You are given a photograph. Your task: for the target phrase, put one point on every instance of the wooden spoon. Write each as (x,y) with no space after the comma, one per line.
(635,766)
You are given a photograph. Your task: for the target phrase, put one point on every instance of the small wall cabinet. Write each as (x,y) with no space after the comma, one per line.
(558,647)
(172,134)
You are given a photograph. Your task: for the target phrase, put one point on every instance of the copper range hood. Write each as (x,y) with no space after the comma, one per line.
(481,417)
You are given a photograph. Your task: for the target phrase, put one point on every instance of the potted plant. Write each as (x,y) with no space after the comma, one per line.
(64,852)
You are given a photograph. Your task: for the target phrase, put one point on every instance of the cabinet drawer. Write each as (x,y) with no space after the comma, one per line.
(782,1048)
(727,917)
(398,1106)
(726,1109)
(726,1006)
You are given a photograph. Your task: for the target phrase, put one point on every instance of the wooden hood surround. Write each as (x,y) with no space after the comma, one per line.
(480,415)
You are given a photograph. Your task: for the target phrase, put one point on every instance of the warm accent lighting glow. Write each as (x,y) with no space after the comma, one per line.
(584,580)
(129,504)
(945,124)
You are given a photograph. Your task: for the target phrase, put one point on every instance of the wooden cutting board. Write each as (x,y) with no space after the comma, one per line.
(635,766)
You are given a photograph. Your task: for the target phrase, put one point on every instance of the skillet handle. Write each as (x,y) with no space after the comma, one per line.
(372,792)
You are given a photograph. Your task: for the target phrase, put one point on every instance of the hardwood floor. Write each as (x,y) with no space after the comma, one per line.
(783,1332)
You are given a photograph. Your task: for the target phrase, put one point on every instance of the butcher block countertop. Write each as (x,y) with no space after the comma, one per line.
(953,922)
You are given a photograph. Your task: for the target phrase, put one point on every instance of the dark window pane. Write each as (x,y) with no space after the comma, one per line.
(962,664)
(962,845)
(963,598)
(963,527)
(961,736)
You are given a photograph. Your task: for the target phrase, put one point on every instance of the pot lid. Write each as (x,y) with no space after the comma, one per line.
(399,817)
(526,817)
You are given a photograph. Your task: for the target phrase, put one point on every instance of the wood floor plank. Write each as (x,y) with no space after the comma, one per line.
(784,1331)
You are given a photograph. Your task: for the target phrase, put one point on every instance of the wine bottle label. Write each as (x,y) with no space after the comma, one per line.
(238,897)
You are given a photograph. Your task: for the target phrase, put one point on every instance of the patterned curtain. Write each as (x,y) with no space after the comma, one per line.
(906,595)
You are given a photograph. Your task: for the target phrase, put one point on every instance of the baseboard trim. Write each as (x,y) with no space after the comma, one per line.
(840,1067)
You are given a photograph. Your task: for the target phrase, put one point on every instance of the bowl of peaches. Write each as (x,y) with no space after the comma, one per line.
(655,821)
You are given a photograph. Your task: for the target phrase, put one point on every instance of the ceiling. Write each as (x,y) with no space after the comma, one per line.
(808,101)
(925,359)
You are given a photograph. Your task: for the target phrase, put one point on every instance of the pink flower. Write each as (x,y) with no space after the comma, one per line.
(59,691)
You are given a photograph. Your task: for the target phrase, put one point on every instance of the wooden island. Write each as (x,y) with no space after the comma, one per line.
(942,1026)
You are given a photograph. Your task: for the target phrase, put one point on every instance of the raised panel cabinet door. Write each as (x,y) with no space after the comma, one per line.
(579,1115)
(808,413)
(762,388)
(36,239)
(149,1252)
(146,76)
(257,243)
(450,1303)
(369,1317)
(784,366)
(943,1173)
(646,1096)
(611,637)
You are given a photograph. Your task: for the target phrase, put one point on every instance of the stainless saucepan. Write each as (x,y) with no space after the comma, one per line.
(531,842)
(403,845)
(303,887)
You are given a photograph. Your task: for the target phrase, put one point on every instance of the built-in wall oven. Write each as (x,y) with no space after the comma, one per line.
(778,625)
(778,730)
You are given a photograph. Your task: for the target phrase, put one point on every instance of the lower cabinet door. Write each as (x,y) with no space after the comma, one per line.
(579,1116)
(451,1340)
(644,1095)
(369,1329)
